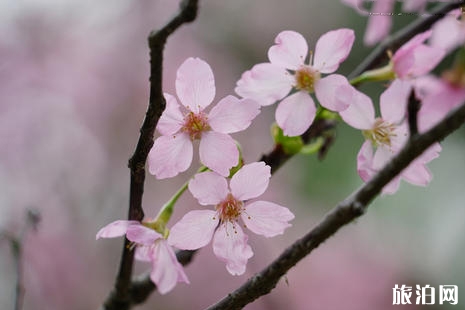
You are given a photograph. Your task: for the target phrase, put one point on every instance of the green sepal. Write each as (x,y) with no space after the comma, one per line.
(290,145)
(313,148)
(385,73)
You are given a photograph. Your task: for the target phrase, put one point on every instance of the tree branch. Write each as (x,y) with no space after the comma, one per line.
(345,212)
(141,288)
(393,42)
(119,298)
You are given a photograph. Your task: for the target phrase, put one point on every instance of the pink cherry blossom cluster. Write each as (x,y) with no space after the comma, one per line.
(292,77)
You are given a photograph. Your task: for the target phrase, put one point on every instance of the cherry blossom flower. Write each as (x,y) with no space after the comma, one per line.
(270,82)
(172,152)
(197,228)
(415,58)
(386,135)
(449,32)
(152,247)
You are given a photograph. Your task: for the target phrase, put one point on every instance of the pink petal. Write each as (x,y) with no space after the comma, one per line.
(332,49)
(144,253)
(219,152)
(209,188)
(142,235)
(414,58)
(365,162)
(230,246)
(448,33)
(194,230)
(360,114)
(417,174)
(250,181)
(265,83)
(411,45)
(170,155)
(393,101)
(382,156)
(392,187)
(195,84)
(289,51)
(379,25)
(436,106)
(334,92)
(426,59)
(172,119)
(115,229)
(166,270)
(233,115)
(266,218)
(414,5)
(295,113)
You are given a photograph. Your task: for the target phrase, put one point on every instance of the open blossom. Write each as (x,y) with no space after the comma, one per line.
(197,228)
(150,247)
(386,135)
(172,152)
(270,82)
(414,58)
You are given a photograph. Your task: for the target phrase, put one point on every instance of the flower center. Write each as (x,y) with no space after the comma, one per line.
(195,124)
(230,208)
(381,133)
(306,77)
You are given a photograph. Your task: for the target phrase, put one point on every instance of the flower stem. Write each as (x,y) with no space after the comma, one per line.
(167,210)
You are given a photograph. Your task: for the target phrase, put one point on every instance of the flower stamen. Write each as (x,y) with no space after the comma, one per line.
(230,209)
(306,77)
(381,133)
(195,124)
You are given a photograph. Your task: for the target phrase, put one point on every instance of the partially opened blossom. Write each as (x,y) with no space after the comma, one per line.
(270,82)
(386,135)
(172,152)
(197,228)
(414,58)
(152,247)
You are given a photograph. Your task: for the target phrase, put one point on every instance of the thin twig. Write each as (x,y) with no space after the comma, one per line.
(16,245)
(345,212)
(379,54)
(119,298)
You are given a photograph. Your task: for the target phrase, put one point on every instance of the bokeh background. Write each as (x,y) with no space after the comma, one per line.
(73,93)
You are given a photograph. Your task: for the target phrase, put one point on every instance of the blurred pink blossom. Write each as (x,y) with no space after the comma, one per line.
(449,32)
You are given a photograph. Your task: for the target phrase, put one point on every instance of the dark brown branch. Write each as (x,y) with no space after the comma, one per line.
(344,213)
(119,298)
(379,54)
(412,113)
